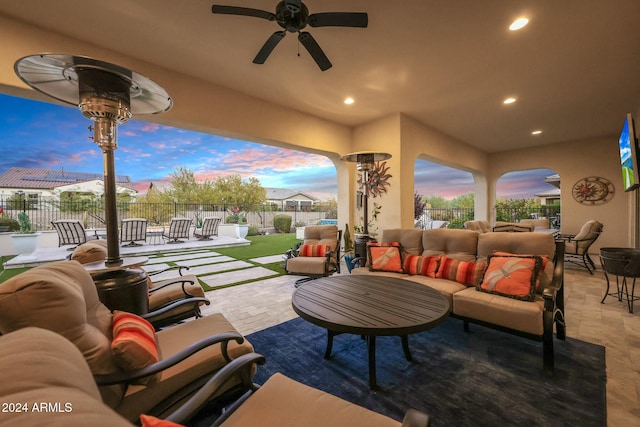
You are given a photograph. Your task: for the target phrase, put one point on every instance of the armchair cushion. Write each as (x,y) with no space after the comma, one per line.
(92,251)
(512,276)
(134,344)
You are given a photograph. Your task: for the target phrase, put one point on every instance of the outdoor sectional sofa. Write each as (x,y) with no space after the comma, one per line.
(455,268)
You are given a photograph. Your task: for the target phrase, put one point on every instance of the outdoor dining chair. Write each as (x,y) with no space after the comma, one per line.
(71,232)
(209,228)
(178,229)
(133,230)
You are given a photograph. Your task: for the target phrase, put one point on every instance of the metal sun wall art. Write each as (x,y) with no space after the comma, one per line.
(378,179)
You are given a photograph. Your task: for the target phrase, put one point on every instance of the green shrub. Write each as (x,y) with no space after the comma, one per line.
(282,223)
(253,230)
(10,222)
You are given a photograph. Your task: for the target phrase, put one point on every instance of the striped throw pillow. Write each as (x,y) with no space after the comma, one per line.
(422,265)
(134,344)
(465,272)
(313,250)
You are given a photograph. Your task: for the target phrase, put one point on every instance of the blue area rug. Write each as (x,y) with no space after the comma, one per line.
(481,378)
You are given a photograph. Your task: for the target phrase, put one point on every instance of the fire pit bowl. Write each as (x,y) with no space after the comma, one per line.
(621,261)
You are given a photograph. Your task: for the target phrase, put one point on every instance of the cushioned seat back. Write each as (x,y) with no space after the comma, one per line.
(46,372)
(454,243)
(481,226)
(61,297)
(542,223)
(530,243)
(410,239)
(95,250)
(587,235)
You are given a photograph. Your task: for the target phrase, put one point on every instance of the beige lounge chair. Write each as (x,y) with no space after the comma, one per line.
(318,255)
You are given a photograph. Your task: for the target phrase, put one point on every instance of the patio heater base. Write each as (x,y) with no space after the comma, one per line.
(125,290)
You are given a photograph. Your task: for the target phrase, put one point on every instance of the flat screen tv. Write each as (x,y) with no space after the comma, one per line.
(629,155)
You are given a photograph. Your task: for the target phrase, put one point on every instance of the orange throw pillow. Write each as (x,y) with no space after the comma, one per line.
(313,250)
(512,276)
(151,421)
(422,265)
(134,344)
(385,257)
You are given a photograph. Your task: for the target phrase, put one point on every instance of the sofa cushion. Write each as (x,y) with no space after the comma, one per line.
(465,272)
(134,344)
(423,265)
(524,316)
(410,239)
(271,405)
(512,276)
(313,250)
(454,243)
(385,257)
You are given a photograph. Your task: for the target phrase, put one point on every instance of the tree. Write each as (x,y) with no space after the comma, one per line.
(243,194)
(418,205)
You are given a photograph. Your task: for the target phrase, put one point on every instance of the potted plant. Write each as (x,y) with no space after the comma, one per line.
(300,230)
(25,240)
(349,252)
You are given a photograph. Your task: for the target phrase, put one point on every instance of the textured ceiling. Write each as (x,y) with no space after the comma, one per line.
(449,64)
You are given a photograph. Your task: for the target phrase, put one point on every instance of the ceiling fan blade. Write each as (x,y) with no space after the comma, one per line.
(243,11)
(314,50)
(268,47)
(339,19)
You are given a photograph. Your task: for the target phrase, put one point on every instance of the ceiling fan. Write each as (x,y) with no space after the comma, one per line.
(293,16)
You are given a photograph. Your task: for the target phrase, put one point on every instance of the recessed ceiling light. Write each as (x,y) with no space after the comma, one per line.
(536,132)
(518,24)
(349,101)
(509,100)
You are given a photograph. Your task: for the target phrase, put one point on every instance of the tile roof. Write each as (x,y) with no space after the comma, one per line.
(46,179)
(284,194)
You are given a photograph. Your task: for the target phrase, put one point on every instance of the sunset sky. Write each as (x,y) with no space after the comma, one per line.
(40,135)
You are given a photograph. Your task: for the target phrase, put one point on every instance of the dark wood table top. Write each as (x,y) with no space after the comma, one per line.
(370,305)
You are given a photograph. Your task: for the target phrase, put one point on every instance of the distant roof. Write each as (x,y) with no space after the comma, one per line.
(46,179)
(554,192)
(284,193)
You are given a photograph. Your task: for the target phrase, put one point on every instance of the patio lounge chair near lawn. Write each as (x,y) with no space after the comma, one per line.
(71,232)
(209,228)
(133,230)
(178,229)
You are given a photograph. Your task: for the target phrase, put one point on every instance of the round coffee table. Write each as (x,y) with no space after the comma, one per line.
(370,306)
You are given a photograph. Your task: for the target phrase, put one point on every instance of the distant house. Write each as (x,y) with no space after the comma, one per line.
(44,184)
(551,197)
(290,199)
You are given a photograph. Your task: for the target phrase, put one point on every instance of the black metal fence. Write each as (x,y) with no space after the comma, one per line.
(91,213)
(456,217)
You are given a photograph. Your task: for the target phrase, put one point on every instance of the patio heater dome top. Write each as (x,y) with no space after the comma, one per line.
(365,159)
(71,79)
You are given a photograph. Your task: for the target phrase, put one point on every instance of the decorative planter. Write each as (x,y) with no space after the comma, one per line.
(25,243)
(300,233)
(237,231)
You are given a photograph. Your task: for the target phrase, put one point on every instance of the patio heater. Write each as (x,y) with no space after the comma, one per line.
(365,162)
(108,95)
